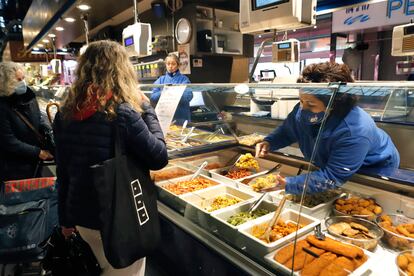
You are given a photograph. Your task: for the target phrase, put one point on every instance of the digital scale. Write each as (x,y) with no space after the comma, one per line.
(137,39)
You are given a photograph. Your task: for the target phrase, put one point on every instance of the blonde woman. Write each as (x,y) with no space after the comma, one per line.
(20,149)
(105,90)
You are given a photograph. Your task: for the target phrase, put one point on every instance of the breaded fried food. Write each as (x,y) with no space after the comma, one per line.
(339,228)
(359,226)
(315,267)
(286,253)
(402,261)
(302,258)
(341,266)
(336,247)
(359,261)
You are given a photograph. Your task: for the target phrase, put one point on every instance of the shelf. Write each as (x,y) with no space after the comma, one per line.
(226,31)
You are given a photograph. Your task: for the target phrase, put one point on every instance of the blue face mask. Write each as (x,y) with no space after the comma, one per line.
(311,118)
(21,88)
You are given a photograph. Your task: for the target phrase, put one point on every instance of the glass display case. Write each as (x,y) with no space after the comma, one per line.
(291,230)
(216,206)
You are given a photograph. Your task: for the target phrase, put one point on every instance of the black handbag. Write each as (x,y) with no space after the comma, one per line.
(128,208)
(68,257)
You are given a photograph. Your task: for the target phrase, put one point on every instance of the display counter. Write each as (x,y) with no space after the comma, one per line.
(202,229)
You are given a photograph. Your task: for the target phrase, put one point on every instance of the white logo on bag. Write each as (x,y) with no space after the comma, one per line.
(12,231)
(139,202)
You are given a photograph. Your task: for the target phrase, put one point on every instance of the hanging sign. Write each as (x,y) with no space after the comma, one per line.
(167,105)
(391,12)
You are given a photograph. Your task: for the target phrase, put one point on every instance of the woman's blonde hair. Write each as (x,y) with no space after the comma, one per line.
(103,68)
(8,80)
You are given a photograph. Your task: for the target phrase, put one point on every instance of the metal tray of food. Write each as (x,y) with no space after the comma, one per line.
(215,160)
(319,211)
(170,172)
(199,203)
(361,270)
(264,166)
(252,244)
(175,200)
(178,144)
(210,138)
(220,225)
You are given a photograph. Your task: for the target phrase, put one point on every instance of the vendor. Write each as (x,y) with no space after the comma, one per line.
(173,76)
(349,141)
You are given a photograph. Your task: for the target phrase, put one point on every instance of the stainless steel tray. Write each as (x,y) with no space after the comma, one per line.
(171,168)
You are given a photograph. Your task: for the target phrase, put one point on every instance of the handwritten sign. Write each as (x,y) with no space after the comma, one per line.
(167,105)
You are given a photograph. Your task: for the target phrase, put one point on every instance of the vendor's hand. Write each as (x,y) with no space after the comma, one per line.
(45,155)
(68,232)
(262,149)
(282,180)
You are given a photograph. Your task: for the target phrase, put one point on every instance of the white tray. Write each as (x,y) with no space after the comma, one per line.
(280,267)
(256,245)
(173,200)
(320,211)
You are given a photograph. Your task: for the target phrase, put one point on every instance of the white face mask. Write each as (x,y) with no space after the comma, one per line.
(21,88)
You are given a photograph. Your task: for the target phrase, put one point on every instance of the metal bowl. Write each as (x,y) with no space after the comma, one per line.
(397,241)
(368,244)
(349,195)
(400,270)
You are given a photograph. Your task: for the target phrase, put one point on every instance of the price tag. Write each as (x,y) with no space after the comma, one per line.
(167,105)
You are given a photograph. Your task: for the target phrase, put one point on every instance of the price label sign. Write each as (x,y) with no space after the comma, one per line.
(167,105)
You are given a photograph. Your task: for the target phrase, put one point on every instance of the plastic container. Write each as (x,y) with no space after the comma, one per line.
(410,254)
(368,244)
(397,241)
(350,195)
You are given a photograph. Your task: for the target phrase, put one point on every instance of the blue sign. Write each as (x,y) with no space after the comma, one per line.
(393,5)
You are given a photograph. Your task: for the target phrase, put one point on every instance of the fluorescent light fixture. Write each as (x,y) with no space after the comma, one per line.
(64,49)
(84,7)
(35,49)
(45,41)
(59,29)
(40,45)
(70,19)
(51,35)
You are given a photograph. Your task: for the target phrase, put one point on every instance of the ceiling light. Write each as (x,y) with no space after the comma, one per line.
(64,49)
(45,40)
(70,19)
(84,7)
(294,30)
(51,35)
(36,49)
(315,27)
(59,29)
(40,45)
(260,36)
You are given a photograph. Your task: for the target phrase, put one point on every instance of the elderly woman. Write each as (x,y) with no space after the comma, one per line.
(20,148)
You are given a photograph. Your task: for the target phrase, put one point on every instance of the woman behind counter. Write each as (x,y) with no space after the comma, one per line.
(173,76)
(20,149)
(350,140)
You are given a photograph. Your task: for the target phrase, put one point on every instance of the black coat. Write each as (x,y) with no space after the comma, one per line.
(19,146)
(81,144)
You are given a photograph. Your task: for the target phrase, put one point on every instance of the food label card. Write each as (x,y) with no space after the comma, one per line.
(167,105)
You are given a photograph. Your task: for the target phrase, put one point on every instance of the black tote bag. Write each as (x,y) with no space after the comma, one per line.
(128,208)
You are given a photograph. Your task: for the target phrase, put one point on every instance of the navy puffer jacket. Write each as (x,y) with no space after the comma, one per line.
(19,146)
(83,143)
